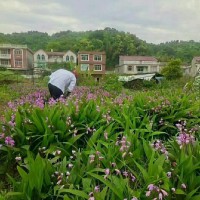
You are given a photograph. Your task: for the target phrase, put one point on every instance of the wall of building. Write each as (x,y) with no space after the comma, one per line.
(93,62)
(70,53)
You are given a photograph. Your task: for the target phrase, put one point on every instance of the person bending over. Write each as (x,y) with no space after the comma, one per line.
(62,82)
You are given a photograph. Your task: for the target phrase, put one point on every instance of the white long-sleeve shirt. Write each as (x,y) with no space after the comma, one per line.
(63,79)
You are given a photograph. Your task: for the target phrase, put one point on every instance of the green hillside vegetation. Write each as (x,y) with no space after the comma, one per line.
(110,40)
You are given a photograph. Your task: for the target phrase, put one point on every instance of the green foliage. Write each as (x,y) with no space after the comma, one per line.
(28,38)
(35,179)
(103,144)
(110,83)
(172,70)
(86,79)
(196,83)
(112,41)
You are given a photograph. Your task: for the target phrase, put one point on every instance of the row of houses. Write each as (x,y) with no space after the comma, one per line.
(93,61)
(20,57)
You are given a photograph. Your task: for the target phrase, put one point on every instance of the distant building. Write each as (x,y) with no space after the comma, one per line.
(42,58)
(137,65)
(92,62)
(16,57)
(195,66)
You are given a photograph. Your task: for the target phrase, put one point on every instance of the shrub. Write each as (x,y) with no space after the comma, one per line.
(173,70)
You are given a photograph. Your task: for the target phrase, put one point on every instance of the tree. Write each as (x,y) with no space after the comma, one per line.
(173,70)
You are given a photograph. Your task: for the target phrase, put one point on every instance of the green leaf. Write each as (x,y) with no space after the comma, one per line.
(192,193)
(197,197)
(101,195)
(86,184)
(75,192)
(94,137)
(143,171)
(108,184)
(22,173)
(15,194)
(179,191)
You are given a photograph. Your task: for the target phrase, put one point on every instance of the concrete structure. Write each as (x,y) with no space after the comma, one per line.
(137,65)
(92,62)
(195,66)
(16,57)
(42,58)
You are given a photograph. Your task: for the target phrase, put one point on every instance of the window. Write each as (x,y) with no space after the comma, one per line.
(18,51)
(18,63)
(84,67)
(72,58)
(67,58)
(97,68)
(38,57)
(43,57)
(84,57)
(4,62)
(98,57)
(129,68)
(5,51)
(142,69)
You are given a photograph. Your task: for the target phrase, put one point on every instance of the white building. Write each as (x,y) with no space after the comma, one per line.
(41,57)
(137,65)
(195,67)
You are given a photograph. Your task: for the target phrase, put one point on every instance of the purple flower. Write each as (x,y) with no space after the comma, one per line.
(183,186)
(92,157)
(148,193)
(160,196)
(118,172)
(97,188)
(184,139)
(18,158)
(151,187)
(169,174)
(2,135)
(132,178)
(134,198)
(70,165)
(9,141)
(107,171)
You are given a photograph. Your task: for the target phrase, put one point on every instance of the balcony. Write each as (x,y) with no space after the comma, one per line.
(12,46)
(5,56)
(6,66)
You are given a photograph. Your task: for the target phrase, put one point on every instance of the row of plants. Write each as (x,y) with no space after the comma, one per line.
(101,145)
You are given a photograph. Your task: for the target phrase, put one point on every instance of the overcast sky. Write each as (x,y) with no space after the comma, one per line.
(154,21)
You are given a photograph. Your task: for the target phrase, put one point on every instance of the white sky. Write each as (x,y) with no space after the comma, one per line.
(154,21)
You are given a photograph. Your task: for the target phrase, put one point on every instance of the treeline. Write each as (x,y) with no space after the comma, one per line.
(110,40)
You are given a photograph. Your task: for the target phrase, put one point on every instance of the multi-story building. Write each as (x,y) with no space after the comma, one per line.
(137,65)
(42,58)
(92,62)
(16,57)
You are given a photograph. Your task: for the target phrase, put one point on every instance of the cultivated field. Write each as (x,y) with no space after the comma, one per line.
(100,144)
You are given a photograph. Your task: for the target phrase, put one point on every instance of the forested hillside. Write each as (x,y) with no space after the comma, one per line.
(112,41)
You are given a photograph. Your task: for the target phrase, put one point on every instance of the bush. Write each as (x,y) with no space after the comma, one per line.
(173,70)
(111,83)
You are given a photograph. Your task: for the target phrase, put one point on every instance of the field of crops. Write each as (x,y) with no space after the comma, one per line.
(101,145)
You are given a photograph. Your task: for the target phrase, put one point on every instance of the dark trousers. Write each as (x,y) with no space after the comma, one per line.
(55,92)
